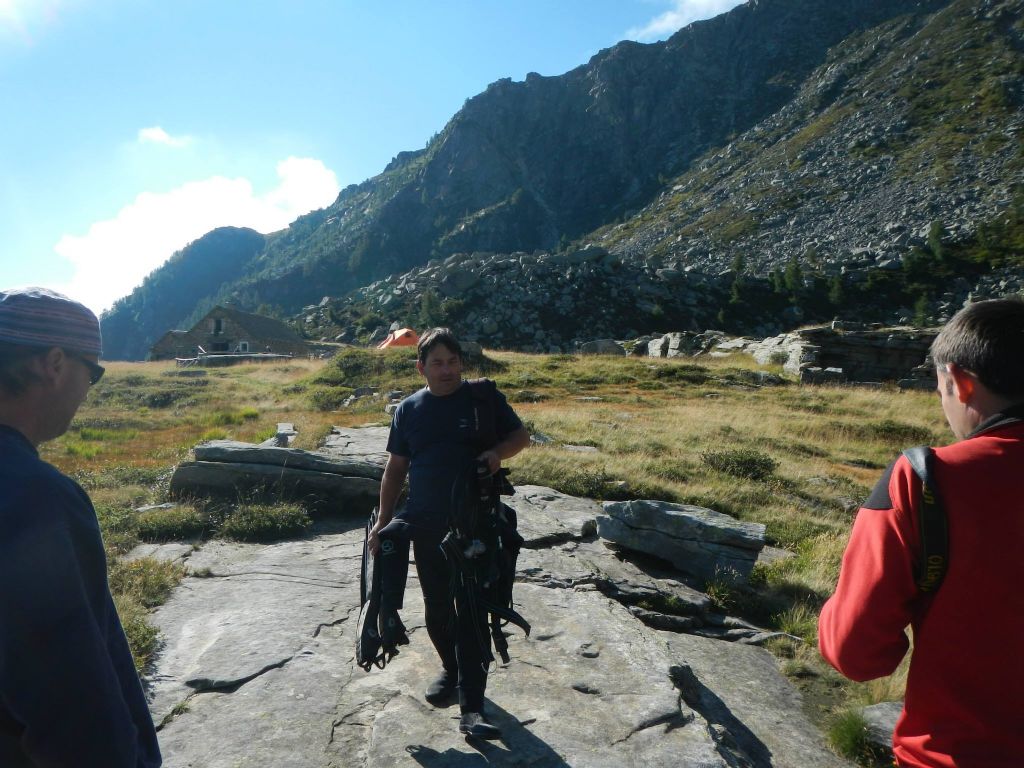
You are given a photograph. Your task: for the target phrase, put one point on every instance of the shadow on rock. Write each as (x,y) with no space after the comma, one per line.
(732,737)
(518,746)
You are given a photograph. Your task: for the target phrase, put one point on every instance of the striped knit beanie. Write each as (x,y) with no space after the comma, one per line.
(37,317)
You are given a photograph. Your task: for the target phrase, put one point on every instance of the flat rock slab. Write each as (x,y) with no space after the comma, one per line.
(255,608)
(257,669)
(365,444)
(548,517)
(234,452)
(738,691)
(592,693)
(593,563)
(696,540)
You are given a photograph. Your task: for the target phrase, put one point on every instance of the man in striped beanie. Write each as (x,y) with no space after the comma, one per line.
(69,692)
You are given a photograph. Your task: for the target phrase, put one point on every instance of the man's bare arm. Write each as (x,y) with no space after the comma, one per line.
(506,449)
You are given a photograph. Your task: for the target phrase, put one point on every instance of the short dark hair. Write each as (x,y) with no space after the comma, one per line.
(435,337)
(15,375)
(987,338)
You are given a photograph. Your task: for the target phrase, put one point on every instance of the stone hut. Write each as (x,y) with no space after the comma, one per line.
(228,331)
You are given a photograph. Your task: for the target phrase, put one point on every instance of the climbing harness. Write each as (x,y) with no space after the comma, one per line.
(482,546)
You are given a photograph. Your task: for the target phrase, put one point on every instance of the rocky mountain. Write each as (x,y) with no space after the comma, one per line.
(819,141)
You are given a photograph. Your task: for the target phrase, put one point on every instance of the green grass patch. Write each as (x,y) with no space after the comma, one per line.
(265,522)
(233,417)
(106,435)
(142,636)
(170,524)
(145,580)
(81,450)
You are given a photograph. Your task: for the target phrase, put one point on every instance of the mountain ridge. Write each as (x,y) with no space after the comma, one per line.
(538,164)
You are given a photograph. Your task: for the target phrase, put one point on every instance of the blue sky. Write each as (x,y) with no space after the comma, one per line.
(131,127)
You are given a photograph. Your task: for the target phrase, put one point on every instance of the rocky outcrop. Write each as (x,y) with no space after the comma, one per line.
(841,178)
(698,541)
(843,353)
(541,301)
(602,347)
(680,343)
(344,477)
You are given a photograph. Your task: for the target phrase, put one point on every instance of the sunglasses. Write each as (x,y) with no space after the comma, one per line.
(95,370)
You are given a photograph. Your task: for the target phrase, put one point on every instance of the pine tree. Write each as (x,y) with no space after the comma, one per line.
(794,277)
(836,293)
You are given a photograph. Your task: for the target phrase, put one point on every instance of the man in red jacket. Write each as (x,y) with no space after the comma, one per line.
(963,705)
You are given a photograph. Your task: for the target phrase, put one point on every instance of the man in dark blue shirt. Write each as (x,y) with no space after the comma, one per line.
(69,693)
(434,438)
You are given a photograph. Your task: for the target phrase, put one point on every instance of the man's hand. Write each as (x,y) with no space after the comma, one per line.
(493,460)
(373,540)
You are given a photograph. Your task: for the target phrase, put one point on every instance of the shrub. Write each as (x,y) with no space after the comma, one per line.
(897,432)
(170,524)
(683,373)
(799,620)
(265,522)
(234,418)
(329,398)
(742,462)
(723,589)
(848,734)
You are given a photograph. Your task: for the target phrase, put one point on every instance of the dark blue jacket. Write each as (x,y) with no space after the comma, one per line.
(69,692)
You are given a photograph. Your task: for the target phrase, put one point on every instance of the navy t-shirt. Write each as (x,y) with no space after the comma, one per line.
(438,435)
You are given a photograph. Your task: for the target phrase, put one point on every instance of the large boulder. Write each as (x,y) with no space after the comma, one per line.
(696,540)
(231,481)
(343,477)
(602,347)
(233,452)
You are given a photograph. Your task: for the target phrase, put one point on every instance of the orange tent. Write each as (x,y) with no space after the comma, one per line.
(403,337)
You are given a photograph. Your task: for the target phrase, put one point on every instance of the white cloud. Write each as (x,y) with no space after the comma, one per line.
(682,13)
(157,135)
(114,255)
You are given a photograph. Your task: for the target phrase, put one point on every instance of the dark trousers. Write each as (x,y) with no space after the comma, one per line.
(457,630)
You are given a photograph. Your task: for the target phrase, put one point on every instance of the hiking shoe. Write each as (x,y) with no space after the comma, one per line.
(442,689)
(475,726)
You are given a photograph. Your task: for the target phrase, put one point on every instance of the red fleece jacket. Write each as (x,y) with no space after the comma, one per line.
(964,703)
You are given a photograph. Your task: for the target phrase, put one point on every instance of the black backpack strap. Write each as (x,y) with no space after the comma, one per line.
(484,412)
(932,521)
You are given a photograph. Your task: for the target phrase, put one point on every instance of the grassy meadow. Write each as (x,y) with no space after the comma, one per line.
(720,433)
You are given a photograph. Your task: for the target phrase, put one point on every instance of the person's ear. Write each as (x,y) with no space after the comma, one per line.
(419,367)
(965,383)
(51,366)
